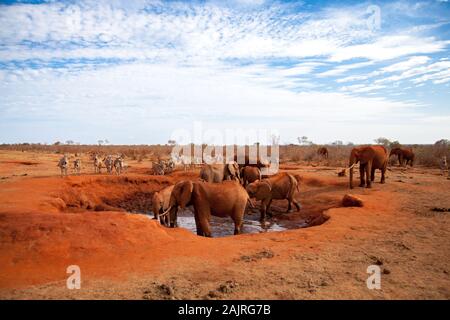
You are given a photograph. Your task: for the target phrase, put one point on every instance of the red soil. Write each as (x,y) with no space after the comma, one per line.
(48,223)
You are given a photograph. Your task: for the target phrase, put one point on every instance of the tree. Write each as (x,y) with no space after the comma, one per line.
(337,143)
(442,147)
(100,142)
(383,141)
(394,144)
(57,143)
(304,140)
(442,142)
(69,142)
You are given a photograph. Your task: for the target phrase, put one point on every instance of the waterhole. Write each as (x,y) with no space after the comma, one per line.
(223,227)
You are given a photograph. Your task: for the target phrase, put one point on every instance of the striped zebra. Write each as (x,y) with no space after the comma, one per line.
(184,160)
(443,165)
(98,163)
(169,165)
(62,164)
(77,166)
(158,168)
(109,163)
(119,165)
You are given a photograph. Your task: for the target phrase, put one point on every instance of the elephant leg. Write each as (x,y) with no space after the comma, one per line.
(368,172)
(238,222)
(203,228)
(202,223)
(383,174)
(268,206)
(372,175)
(361,175)
(198,226)
(264,207)
(297,204)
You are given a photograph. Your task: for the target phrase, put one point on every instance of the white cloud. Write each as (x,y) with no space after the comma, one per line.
(154,100)
(407,64)
(421,70)
(197,32)
(361,88)
(389,47)
(396,67)
(150,71)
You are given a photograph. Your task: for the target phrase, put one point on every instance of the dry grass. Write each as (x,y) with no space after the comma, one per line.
(426,155)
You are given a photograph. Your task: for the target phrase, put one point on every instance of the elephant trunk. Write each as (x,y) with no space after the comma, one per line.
(173,217)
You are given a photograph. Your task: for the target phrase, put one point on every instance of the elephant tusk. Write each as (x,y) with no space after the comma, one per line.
(165,212)
(351,166)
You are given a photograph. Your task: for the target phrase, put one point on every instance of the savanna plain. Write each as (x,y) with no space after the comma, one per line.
(103,223)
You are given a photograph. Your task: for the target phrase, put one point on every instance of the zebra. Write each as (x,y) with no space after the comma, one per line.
(62,164)
(169,165)
(77,166)
(185,161)
(444,166)
(119,165)
(109,163)
(197,162)
(158,168)
(98,163)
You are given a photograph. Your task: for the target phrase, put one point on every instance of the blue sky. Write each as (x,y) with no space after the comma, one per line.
(134,72)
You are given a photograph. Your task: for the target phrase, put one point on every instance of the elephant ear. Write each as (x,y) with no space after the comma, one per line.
(263,190)
(233,169)
(184,193)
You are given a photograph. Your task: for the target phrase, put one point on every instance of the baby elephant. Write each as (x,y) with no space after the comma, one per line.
(281,186)
(160,203)
(250,174)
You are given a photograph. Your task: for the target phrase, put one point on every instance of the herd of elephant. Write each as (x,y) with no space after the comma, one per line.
(223,190)
(226,190)
(371,158)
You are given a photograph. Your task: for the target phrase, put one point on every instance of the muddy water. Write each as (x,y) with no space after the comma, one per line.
(222,227)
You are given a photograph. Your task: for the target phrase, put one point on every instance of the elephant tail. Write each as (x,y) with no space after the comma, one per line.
(297,179)
(294,184)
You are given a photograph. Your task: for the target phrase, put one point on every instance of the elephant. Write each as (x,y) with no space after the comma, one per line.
(250,174)
(281,186)
(403,154)
(220,172)
(323,151)
(160,203)
(227,198)
(250,162)
(370,158)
